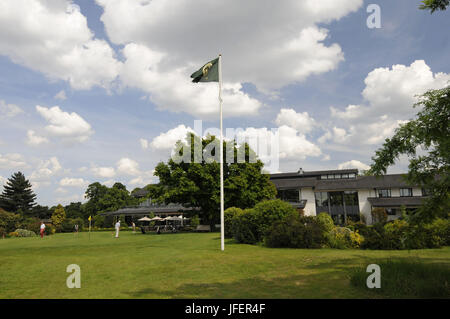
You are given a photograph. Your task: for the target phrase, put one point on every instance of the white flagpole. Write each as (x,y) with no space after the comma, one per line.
(222,226)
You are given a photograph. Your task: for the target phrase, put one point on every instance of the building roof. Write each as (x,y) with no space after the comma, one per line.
(395,201)
(312,173)
(360,182)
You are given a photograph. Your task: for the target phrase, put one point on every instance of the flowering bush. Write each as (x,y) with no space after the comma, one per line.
(25,233)
(343,237)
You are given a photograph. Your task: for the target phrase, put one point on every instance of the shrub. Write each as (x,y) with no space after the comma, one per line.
(245,227)
(229,214)
(99,221)
(379,215)
(395,234)
(269,212)
(373,237)
(440,229)
(195,221)
(8,221)
(326,220)
(343,237)
(25,233)
(50,229)
(68,225)
(295,231)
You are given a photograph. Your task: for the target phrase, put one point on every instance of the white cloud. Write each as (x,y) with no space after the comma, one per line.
(45,170)
(106,172)
(69,126)
(172,89)
(167,140)
(73,182)
(127,166)
(35,140)
(354,164)
(9,110)
(83,169)
(143,180)
(53,37)
(12,161)
(390,94)
(302,122)
(279,45)
(61,95)
(109,182)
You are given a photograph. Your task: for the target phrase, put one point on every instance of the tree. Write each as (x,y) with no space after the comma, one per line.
(103,199)
(59,215)
(195,181)
(41,212)
(431,132)
(74,210)
(17,195)
(434,5)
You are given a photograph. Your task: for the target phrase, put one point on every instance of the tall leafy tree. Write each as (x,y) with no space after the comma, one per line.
(196,183)
(103,199)
(434,5)
(58,216)
(430,131)
(17,195)
(74,210)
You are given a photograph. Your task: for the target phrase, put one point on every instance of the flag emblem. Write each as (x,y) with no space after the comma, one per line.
(209,72)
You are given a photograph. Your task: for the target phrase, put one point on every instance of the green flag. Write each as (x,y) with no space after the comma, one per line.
(207,73)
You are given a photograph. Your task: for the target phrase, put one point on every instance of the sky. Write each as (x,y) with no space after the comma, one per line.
(101,90)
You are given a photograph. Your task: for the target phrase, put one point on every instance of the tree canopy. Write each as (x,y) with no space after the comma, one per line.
(196,183)
(17,195)
(103,199)
(429,131)
(434,5)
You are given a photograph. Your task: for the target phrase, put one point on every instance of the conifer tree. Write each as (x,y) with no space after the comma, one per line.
(17,195)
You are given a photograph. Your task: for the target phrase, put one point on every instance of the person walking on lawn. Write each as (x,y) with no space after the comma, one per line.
(117,228)
(42,231)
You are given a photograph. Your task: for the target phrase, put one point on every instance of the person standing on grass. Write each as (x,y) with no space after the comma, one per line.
(117,228)
(134,227)
(42,229)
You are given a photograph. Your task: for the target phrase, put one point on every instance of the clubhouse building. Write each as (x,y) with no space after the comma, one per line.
(345,195)
(341,193)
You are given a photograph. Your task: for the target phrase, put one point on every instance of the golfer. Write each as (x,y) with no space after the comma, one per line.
(42,229)
(117,228)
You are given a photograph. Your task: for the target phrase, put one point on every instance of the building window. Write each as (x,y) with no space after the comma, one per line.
(323,176)
(405,192)
(391,211)
(345,176)
(426,192)
(352,175)
(289,195)
(321,200)
(330,176)
(384,192)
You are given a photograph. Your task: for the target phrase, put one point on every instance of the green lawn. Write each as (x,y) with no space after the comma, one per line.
(188,265)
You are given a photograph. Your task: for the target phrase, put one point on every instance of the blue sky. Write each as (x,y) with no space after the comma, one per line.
(118,73)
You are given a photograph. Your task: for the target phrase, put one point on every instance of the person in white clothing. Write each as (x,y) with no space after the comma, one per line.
(42,231)
(117,228)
